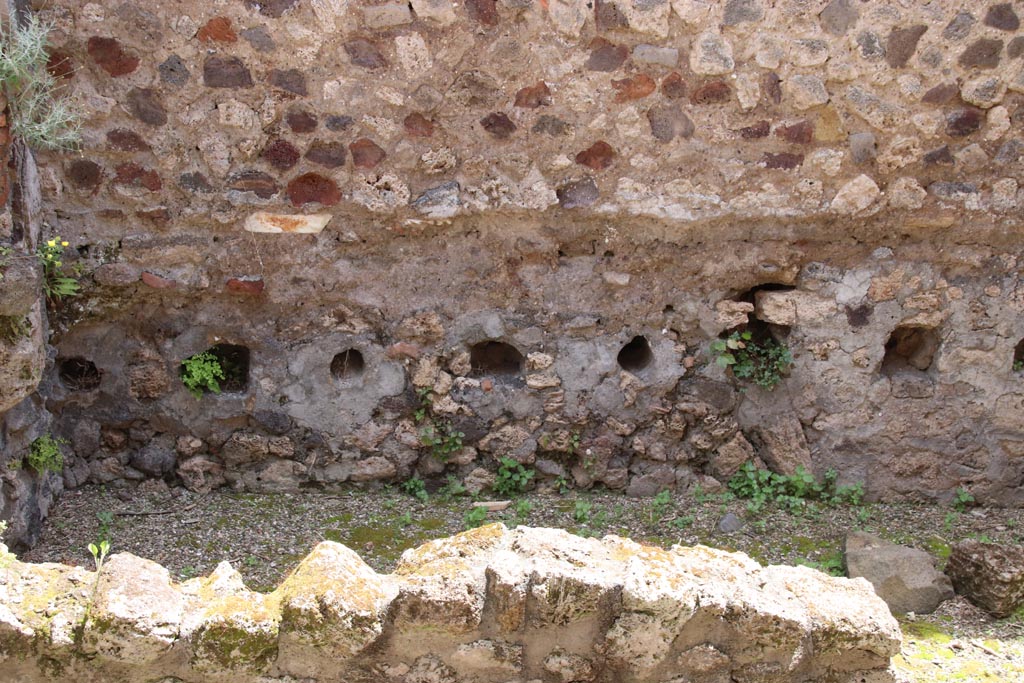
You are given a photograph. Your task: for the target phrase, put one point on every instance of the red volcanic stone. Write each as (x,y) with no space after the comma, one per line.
(605,56)
(533,96)
(145,105)
(483,11)
(124,140)
(964,121)
(418,126)
(772,86)
(902,43)
(245,286)
(608,16)
(365,54)
(84,174)
(226,72)
(783,160)
(290,80)
(134,175)
(271,8)
(301,121)
(402,350)
(259,183)
(281,154)
(758,130)
(941,94)
(60,65)
(712,92)
(673,86)
(157,282)
(634,88)
(498,125)
(598,156)
(217,30)
(329,154)
(313,188)
(801,132)
(366,153)
(108,53)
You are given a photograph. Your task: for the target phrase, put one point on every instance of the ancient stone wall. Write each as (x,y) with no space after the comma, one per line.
(486,605)
(524,222)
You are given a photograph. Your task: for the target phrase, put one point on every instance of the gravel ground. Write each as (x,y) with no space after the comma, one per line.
(265,535)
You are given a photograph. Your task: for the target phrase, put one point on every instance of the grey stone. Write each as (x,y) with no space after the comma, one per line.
(652,482)
(959,27)
(652,54)
(905,578)
(668,121)
(740,11)
(838,17)
(155,459)
(870,44)
(578,193)
(862,147)
(729,524)
(711,55)
(173,71)
(439,202)
(259,38)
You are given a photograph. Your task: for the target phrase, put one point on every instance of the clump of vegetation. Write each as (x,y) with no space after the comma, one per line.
(440,436)
(762,487)
(475,516)
(415,487)
(57,284)
(14,327)
(512,477)
(202,372)
(962,500)
(764,362)
(660,505)
(44,455)
(40,115)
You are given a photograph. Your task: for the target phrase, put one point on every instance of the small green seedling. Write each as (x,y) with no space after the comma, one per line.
(202,372)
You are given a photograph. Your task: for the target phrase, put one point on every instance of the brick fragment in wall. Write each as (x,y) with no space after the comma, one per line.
(286,223)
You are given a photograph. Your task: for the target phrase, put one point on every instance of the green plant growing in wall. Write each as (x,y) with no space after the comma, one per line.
(440,436)
(57,284)
(762,362)
(512,477)
(40,115)
(202,372)
(44,454)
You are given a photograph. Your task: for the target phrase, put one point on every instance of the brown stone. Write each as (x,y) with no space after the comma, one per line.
(783,160)
(280,154)
(365,54)
(712,92)
(608,16)
(605,56)
(498,124)
(533,96)
(418,126)
(902,44)
(483,12)
(366,153)
(982,53)
(1016,48)
(108,53)
(941,94)
(551,125)
(124,140)
(633,88)
(271,8)
(313,188)
(195,182)
(157,282)
(60,65)
(1002,17)
(801,132)
(330,154)
(673,86)
(84,174)
(756,131)
(598,156)
(290,80)
(301,121)
(134,175)
(964,121)
(400,350)
(941,156)
(990,575)
(145,105)
(259,183)
(217,30)
(245,286)
(771,84)
(226,72)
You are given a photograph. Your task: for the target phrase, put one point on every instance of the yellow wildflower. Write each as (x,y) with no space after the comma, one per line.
(51,243)
(64,244)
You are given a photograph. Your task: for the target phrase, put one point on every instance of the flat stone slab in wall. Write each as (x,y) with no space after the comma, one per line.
(491,604)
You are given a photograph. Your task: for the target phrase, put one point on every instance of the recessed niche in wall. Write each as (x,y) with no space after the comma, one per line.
(1018,357)
(636,355)
(495,359)
(78,374)
(234,361)
(348,364)
(910,348)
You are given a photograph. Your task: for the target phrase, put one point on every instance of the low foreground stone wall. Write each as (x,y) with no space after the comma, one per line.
(487,605)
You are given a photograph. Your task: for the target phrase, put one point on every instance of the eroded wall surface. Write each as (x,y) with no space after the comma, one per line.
(307,180)
(486,605)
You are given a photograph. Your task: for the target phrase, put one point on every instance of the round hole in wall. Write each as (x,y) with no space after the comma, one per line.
(1018,357)
(495,358)
(78,374)
(348,364)
(636,355)
(910,348)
